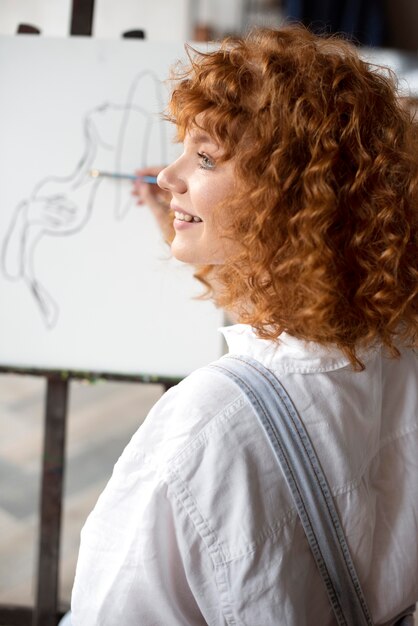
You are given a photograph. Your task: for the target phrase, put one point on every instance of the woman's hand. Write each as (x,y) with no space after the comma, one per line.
(156,199)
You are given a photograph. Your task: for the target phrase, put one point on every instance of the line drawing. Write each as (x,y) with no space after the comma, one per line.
(61,206)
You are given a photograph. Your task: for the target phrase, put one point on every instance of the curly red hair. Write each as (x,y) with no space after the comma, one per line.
(327,208)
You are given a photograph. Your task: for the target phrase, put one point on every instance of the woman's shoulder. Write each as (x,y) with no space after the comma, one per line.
(202,403)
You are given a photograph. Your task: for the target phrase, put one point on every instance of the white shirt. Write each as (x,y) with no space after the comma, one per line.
(196,525)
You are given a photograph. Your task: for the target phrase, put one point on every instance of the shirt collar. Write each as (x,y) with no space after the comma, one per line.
(287,354)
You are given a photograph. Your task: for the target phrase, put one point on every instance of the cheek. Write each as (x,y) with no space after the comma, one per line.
(202,197)
(201,246)
(208,189)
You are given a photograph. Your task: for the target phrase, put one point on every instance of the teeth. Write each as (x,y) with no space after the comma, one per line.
(185,217)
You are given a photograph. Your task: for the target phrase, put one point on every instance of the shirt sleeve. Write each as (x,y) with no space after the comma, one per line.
(140,554)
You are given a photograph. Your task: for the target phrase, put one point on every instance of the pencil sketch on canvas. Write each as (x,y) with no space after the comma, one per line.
(114,135)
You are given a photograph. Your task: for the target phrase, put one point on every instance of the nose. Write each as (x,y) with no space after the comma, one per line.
(171,180)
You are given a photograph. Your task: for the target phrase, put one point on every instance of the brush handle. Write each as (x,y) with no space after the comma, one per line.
(152,180)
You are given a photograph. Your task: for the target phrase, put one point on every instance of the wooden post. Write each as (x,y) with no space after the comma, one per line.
(46,605)
(82,17)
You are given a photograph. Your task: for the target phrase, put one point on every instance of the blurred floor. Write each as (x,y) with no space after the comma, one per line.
(102,419)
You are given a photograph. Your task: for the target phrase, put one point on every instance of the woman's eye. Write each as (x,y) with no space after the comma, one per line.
(206,162)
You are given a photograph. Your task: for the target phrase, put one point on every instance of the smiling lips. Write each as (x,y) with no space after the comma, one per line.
(186,217)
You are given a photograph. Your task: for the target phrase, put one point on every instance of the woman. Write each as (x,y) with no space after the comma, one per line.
(296,198)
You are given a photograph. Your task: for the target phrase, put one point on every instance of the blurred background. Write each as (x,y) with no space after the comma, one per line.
(103,416)
(383,23)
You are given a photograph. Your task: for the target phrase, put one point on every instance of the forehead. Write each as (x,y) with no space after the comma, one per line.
(198,135)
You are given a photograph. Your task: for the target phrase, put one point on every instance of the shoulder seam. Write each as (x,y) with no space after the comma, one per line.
(209,538)
(223,416)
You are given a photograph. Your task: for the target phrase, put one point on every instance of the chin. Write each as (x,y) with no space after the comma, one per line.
(192,256)
(183,254)
(185,257)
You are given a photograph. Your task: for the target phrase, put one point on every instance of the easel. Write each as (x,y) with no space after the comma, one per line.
(46,610)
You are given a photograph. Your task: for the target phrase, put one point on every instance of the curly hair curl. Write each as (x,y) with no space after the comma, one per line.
(326,210)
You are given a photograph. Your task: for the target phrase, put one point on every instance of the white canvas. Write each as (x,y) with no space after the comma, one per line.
(86,282)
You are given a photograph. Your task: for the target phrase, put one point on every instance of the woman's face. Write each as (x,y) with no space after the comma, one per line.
(198,182)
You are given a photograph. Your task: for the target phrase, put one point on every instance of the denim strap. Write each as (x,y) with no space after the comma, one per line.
(310,490)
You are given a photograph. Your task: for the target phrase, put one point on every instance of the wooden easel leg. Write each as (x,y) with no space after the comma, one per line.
(167,386)
(82,17)
(46,606)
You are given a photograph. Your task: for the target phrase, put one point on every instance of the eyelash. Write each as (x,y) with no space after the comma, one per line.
(206,162)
